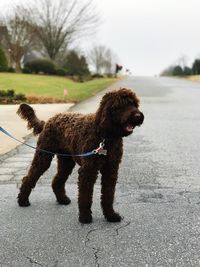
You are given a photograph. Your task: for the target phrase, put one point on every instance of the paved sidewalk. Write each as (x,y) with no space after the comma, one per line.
(15,125)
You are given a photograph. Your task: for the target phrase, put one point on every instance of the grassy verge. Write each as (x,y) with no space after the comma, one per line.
(52,86)
(194,78)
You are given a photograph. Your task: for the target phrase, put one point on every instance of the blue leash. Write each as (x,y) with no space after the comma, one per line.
(94,152)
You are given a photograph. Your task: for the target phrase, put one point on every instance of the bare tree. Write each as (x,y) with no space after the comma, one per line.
(58,23)
(4,36)
(110,61)
(102,59)
(97,58)
(17,37)
(182,61)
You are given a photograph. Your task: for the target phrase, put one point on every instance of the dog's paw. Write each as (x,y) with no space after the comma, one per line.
(114,217)
(64,201)
(85,218)
(23,202)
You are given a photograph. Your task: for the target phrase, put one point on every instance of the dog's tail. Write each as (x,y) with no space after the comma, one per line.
(27,113)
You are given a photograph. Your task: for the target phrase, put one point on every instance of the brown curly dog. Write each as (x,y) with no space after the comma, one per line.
(75,133)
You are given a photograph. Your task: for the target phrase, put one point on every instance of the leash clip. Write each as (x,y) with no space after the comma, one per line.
(100,150)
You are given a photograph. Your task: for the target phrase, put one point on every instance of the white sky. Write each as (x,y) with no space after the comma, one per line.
(148,35)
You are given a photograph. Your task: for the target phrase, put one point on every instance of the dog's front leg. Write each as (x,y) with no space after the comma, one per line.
(108,183)
(86,180)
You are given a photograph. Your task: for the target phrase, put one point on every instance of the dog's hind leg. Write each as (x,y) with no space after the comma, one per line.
(40,164)
(65,167)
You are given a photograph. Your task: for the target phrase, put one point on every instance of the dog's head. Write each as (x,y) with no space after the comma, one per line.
(119,113)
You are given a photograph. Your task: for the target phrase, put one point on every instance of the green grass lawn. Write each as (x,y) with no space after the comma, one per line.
(52,86)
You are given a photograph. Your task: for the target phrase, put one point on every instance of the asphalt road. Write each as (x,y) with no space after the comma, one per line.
(158,194)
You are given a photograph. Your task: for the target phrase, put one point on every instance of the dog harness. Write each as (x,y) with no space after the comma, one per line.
(98,151)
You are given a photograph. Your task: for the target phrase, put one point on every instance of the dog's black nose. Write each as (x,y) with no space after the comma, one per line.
(138,118)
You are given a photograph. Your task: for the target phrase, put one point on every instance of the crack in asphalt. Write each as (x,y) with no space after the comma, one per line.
(186,194)
(121,227)
(94,249)
(33,261)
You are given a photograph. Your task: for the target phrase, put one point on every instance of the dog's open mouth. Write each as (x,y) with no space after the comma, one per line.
(129,128)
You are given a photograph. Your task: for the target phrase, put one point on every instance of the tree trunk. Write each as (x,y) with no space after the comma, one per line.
(18,66)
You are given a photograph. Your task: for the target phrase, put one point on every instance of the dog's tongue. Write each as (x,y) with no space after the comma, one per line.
(129,128)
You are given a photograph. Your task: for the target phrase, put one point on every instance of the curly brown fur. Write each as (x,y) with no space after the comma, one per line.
(74,133)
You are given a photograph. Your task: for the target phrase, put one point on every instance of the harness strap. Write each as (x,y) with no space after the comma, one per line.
(87,154)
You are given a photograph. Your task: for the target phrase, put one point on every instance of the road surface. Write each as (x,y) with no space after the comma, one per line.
(158,193)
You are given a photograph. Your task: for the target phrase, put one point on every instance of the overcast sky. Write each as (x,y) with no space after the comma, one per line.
(148,35)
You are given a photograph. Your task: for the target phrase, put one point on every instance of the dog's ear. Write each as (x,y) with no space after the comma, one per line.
(104,110)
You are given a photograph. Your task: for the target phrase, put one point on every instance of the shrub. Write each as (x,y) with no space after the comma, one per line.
(187,71)
(2,93)
(3,61)
(3,69)
(20,97)
(97,75)
(61,72)
(10,93)
(196,67)
(177,71)
(9,97)
(75,64)
(41,66)
(109,75)
(26,70)
(11,69)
